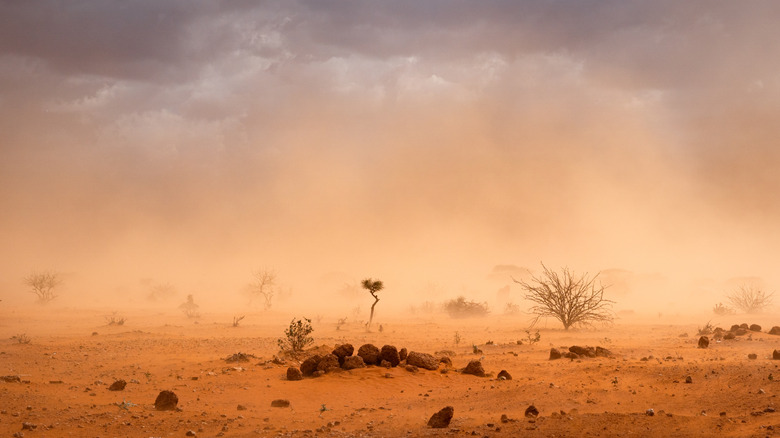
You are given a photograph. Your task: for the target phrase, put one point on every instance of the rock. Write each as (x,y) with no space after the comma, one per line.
(385,364)
(239,357)
(329,363)
(603,352)
(190,433)
(240,408)
(446,361)
(729,336)
(309,366)
(318,373)
(505,375)
(752,356)
(29,426)
(390,354)
(570,355)
(531,412)
(411,368)
(280,403)
(754,328)
(734,328)
(776,355)
(745,326)
(166,401)
(402,353)
(352,362)
(555,354)
(294,374)
(343,351)
(422,360)
(704,342)
(689,379)
(11,379)
(119,385)
(442,418)
(650,412)
(741,331)
(474,368)
(370,354)
(774,330)
(583,351)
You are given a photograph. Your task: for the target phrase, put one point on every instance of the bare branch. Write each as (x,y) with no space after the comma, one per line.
(749,298)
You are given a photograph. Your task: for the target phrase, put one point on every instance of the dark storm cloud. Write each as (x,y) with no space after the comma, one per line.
(480,127)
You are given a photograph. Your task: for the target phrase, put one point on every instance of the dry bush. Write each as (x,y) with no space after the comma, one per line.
(237,319)
(721,310)
(750,298)
(296,336)
(573,300)
(189,307)
(115,319)
(43,285)
(460,308)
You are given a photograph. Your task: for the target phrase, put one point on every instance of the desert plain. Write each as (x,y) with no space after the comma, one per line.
(657,381)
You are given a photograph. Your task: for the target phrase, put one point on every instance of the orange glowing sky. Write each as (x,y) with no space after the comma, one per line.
(193,141)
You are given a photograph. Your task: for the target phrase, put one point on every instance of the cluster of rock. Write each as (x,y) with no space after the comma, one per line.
(736,330)
(343,357)
(576,352)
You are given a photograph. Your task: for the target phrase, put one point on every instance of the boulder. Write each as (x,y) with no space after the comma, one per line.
(776,355)
(570,355)
(343,351)
(704,342)
(352,362)
(294,374)
(370,354)
(390,354)
(402,353)
(280,403)
(555,354)
(474,368)
(309,366)
(729,336)
(531,412)
(166,401)
(754,328)
(442,418)
(446,361)
(422,360)
(774,330)
(329,363)
(603,352)
(583,351)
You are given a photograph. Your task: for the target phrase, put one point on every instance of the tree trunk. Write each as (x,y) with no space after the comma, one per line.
(371,317)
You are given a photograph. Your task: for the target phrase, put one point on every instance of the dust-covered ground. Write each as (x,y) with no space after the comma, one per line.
(73,356)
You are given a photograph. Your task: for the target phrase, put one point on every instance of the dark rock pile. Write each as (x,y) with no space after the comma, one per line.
(576,352)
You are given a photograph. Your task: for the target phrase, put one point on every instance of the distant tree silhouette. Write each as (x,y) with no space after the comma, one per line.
(43,285)
(373,287)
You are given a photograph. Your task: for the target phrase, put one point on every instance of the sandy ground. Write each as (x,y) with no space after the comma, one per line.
(73,357)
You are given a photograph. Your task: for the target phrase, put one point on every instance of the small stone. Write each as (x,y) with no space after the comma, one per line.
(119,385)
(190,433)
(504,375)
(474,368)
(240,408)
(650,412)
(280,403)
(555,354)
(531,412)
(704,342)
(776,355)
(752,356)
(294,374)
(442,418)
(29,426)
(689,379)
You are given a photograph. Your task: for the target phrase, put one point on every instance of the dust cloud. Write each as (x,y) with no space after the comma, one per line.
(426,145)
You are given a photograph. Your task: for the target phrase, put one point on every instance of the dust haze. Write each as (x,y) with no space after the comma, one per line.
(428,145)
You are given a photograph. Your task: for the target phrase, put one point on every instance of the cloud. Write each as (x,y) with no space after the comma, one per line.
(433,134)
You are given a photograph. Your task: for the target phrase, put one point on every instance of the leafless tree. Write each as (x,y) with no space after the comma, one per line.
(749,298)
(189,307)
(43,285)
(573,300)
(264,286)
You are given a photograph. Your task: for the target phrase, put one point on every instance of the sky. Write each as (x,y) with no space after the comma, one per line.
(422,143)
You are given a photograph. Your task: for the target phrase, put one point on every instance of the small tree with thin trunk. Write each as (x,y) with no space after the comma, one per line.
(263,287)
(373,286)
(573,300)
(43,285)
